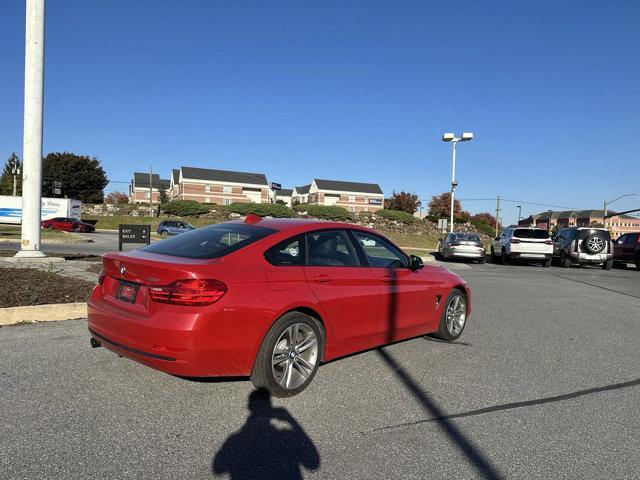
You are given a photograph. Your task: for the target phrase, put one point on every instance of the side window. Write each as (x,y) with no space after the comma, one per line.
(379,252)
(286,253)
(631,239)
(331,249)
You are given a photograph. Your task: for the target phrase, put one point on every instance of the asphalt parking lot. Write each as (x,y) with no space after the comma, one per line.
(544,383)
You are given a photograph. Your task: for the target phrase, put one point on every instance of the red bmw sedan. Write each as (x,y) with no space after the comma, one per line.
(269,298)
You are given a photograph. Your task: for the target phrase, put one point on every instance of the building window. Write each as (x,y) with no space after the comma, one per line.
(207,199)
(147,195)
(207,188)
(352,198)
(226,201)
(227,190)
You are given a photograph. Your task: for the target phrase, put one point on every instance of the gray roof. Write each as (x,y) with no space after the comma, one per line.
(175,172)
(224,176)
(285,192)
(560,214)
(141,180)
(341,186)
(303,190)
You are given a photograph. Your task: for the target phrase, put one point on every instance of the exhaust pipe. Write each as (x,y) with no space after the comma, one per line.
(94,343)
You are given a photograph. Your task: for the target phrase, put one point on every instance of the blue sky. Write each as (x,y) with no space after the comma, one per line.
(346,90)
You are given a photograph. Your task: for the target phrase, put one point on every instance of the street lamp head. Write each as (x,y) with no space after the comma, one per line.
(447,137)
(466,136)
(454,184)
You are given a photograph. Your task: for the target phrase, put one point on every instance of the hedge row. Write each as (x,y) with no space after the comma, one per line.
(397,215)
(184,208)
(261,209)
(326,212)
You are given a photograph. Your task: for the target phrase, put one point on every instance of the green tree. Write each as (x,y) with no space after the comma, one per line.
(6,179)
(404,201)
(162,194)
(82,177)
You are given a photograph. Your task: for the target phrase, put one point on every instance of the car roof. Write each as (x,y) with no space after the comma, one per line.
(295,225)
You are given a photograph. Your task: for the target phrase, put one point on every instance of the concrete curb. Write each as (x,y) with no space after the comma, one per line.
(43,313)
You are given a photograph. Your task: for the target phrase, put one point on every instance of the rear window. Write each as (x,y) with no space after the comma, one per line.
(210,242)
(530,233)
(466,237)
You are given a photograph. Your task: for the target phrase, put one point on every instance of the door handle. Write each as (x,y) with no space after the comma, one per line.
(387,278)
(322,279)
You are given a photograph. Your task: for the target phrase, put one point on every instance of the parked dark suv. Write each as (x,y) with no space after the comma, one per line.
(627,249)
(584,246)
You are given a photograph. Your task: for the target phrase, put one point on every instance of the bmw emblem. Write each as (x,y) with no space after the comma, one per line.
(122,269)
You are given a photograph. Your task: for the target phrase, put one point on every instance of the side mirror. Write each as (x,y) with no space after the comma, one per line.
(416,263)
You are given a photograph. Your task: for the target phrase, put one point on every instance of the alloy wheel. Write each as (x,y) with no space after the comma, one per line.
(456,315)
(294,356)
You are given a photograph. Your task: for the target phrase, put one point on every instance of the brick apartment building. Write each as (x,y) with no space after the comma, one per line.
(354,196)
(139,188)
(617,224)
(221,187)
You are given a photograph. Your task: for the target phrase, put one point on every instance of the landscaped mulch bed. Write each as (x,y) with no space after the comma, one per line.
(28,286)
(66,256)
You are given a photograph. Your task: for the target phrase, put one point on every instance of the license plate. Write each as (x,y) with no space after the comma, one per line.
(127,291)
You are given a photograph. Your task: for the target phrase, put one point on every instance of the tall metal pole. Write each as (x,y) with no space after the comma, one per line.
(604,220)
(453,184)
(151,192)
(497,215)
(519,213)
(32,140)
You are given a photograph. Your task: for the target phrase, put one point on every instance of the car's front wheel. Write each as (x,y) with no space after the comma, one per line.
(289,356)
(454,316)
(564,261)
(607,265)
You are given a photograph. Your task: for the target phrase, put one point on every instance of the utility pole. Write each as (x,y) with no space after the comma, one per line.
(151,191)
(497,215)
(32,137)
(604,219)
(519,213)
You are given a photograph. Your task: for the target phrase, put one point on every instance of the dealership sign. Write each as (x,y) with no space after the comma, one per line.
(375,201)
(133,234)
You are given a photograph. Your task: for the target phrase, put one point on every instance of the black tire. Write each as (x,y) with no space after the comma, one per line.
(164,232)
(443,331)
(481,260)
(590,249)
(637,263)
(564,261)
(608,265)
(49,227)
(504,259)
(494,258)
(547,263)
(263,375)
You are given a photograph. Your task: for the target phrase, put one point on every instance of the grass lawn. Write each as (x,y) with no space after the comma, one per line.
(411,241)
(12,233)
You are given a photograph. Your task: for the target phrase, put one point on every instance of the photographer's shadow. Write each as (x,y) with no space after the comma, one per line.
(270,445)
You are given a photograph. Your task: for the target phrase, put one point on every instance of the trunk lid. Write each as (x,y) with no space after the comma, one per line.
(128,276)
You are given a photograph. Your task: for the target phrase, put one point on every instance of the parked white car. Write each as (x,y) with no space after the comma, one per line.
(522,243)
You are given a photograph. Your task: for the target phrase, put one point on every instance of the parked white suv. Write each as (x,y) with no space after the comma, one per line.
(526,243)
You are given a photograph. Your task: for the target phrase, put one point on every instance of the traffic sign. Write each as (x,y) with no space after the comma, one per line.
(133,234)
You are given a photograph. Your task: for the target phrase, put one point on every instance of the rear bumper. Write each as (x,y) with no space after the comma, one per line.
(462,253)
(531,255)
(586,258)
(184,345)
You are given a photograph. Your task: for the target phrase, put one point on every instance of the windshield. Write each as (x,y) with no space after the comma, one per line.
(210,242)
(531,233)
(466,237)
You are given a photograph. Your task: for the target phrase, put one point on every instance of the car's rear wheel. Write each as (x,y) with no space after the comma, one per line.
(637,263)
(49,227)
(607,265)
(547,263)
(289,356)
(164,232)
(481,259)
(564,261)
(504,259)
(454,316)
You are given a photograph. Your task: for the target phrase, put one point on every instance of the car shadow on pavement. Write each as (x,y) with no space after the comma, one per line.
(471,451)
(270,445)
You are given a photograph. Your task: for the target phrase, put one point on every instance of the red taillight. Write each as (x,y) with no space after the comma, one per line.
(548,242)
(101,276)
(514,240)
(189,292)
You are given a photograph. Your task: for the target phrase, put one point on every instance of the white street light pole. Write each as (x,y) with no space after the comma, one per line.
(450,137)
(606,206)
(32,140)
